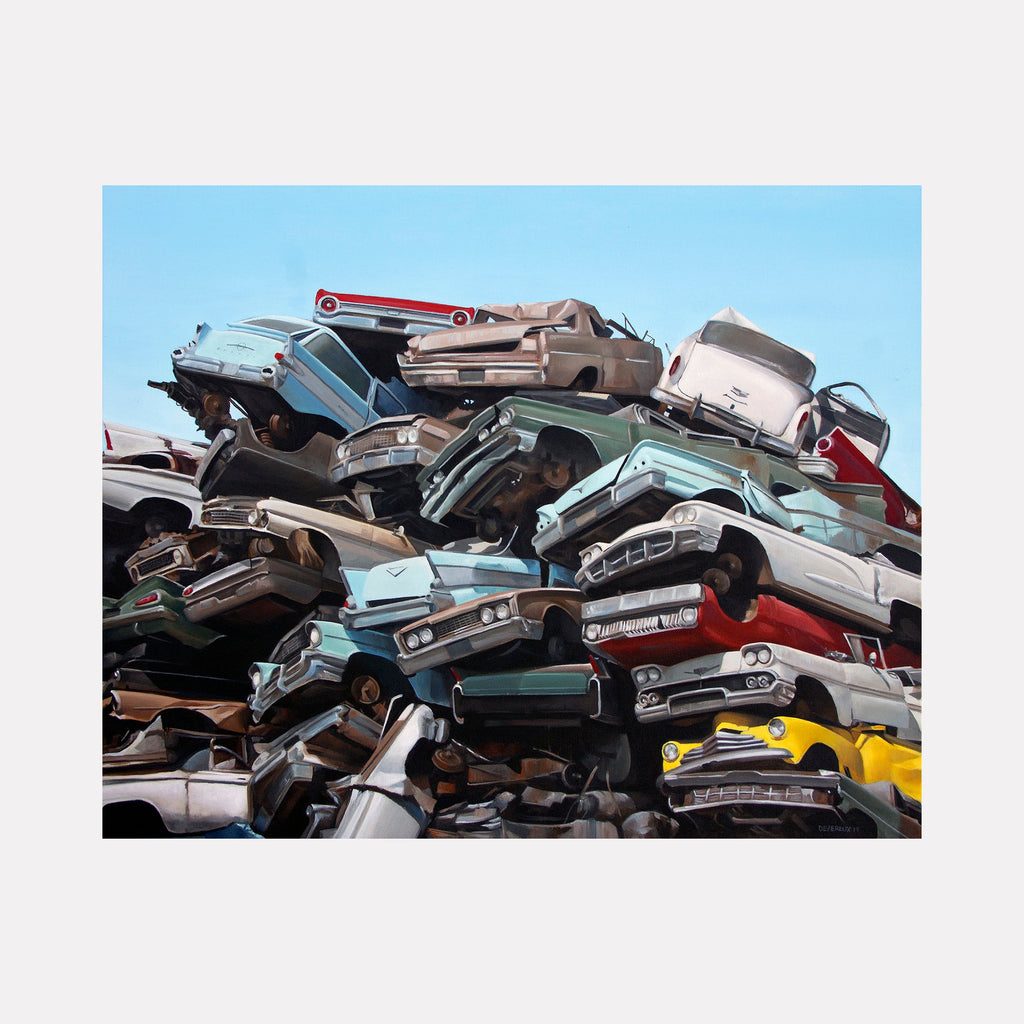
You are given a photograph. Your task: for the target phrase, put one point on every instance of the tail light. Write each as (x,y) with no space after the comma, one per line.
(460,318)
(187,591)
(803,420)
(148,599)
(279,356)
(106,434)
(674,365)
(328,304)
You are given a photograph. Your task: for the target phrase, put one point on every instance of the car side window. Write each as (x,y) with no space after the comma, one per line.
(599,331)
(339,361)
(385,404)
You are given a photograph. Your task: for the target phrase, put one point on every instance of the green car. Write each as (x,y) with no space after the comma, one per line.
(153,606)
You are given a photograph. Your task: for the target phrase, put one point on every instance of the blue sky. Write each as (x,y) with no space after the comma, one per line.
(833,270)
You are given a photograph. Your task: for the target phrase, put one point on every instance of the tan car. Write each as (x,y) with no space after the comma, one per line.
(547,618)
(565,344)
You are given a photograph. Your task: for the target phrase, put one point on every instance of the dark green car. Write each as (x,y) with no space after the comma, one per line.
(153,606)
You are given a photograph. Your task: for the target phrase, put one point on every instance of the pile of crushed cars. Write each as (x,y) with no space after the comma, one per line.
(455,572)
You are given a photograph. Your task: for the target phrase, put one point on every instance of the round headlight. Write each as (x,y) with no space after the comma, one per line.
(640,676)
(593,631)
(587,556)
(412,641)
(505,417)
(255,676)
(178,557)
(764,655)
(402,437)
(254,517)
(777,727)
(341,451)
(426,634)
(482,434)
(751,682)
(503,611)
(678,516)
(690,514)
(437,477)
(653,698)
(414,435)
(750,657)
(689,616)
(653,675)
(486,615)
(670,752)
(315,636)
(764,681)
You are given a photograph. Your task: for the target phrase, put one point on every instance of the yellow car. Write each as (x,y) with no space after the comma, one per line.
(863,753)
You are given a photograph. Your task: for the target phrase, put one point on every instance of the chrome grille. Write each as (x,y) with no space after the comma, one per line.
(290,645)
(226,516)
(635,552)
(457,622)
(642,624)
(385,438)
(148,566)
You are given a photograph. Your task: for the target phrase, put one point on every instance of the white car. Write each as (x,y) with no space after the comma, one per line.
(734,376)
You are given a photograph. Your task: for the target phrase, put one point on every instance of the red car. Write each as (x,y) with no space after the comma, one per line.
(853,466)
(674,624)
(394,316)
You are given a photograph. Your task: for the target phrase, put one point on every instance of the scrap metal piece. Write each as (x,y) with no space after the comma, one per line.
(383,800)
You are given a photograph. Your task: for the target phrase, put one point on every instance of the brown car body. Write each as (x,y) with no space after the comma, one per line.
(462,631)
(554,344)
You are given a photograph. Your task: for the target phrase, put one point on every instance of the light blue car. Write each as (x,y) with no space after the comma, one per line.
(353,664)
(291,376)
(392,594)
(641,486)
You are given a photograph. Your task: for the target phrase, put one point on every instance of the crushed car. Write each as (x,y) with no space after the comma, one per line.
(565,344)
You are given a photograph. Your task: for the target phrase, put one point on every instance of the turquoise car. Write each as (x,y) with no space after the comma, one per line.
(322,657)
(641,486)
(292,377)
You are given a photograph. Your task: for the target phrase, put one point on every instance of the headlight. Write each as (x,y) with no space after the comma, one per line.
(254,517)
(402,436)
(752,682)
(178,557)
(503,611)
(341,451)
(777,727)
(505,417)
(255,676)
(670,752)
(750,657)
(315,636)
(412,641)
(640,676)
(689,616)
(482,435)
(486,615)
(437,477)
(426,635)
(414,435)
(653,675)
(593,631)
(764,655)
(764,681)
(677,516)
